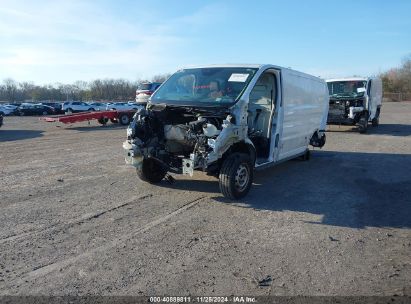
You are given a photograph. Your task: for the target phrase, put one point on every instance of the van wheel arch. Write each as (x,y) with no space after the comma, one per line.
(240,147)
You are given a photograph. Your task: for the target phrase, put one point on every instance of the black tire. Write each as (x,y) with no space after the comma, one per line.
(150,171)
(362,125)
(375,122)
(69,111)
(103,120)
(124,119)
(91,109)
(45,113)
(236,176)
(21,113)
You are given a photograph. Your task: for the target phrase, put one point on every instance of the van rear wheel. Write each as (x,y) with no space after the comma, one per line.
(375,122)
(236,176)
(150,171)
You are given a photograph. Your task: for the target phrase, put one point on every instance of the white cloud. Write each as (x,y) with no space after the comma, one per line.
(83,39)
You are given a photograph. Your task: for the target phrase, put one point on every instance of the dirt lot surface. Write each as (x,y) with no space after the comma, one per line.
(76,220)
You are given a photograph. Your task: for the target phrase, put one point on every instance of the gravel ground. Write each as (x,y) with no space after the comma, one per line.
(75,220)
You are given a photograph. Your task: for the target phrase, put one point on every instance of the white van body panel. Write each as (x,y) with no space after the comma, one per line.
(374,96)
(305,108)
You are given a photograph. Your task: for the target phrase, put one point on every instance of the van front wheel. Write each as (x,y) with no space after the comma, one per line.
(362,125)
(236,176)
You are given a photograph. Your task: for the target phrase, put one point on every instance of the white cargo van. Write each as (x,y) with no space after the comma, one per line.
(227,120)
(355,101)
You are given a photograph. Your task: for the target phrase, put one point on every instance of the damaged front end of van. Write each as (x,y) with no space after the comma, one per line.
(192,125)
(355,101)
(165,138)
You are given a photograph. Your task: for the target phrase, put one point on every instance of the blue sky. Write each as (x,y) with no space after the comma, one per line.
(48,41)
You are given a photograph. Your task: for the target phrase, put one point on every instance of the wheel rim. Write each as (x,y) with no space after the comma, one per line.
(242,176)
(124,119)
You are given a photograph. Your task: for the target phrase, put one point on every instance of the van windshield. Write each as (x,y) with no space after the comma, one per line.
(204,87)
(355,88)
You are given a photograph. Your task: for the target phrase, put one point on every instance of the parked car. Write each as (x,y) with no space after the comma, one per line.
(55,105)
(7,109)
(15,104)
(355,101)
(227,121)
(123,106)
(98,106)
(145,90)
(35,109)
(11,106)
(76,106)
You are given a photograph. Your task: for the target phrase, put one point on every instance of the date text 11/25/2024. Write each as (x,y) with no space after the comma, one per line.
(232,299)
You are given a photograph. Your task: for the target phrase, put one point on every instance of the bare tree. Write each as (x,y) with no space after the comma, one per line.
(99,89)
(160,77)
(67,89)
(10,87)
(398,80)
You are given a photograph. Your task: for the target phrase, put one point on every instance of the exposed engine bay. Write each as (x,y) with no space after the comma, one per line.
(179,139)
(347,111)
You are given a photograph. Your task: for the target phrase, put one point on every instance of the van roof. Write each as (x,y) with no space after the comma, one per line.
(255,66)
(240,65)
(347,79)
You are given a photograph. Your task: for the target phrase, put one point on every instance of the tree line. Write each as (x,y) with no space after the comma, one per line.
(395,80)
(99,89)
(398,80)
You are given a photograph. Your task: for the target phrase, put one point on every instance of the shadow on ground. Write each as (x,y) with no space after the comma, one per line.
(382,129)
(347,189)
(392,129)
(13,135)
